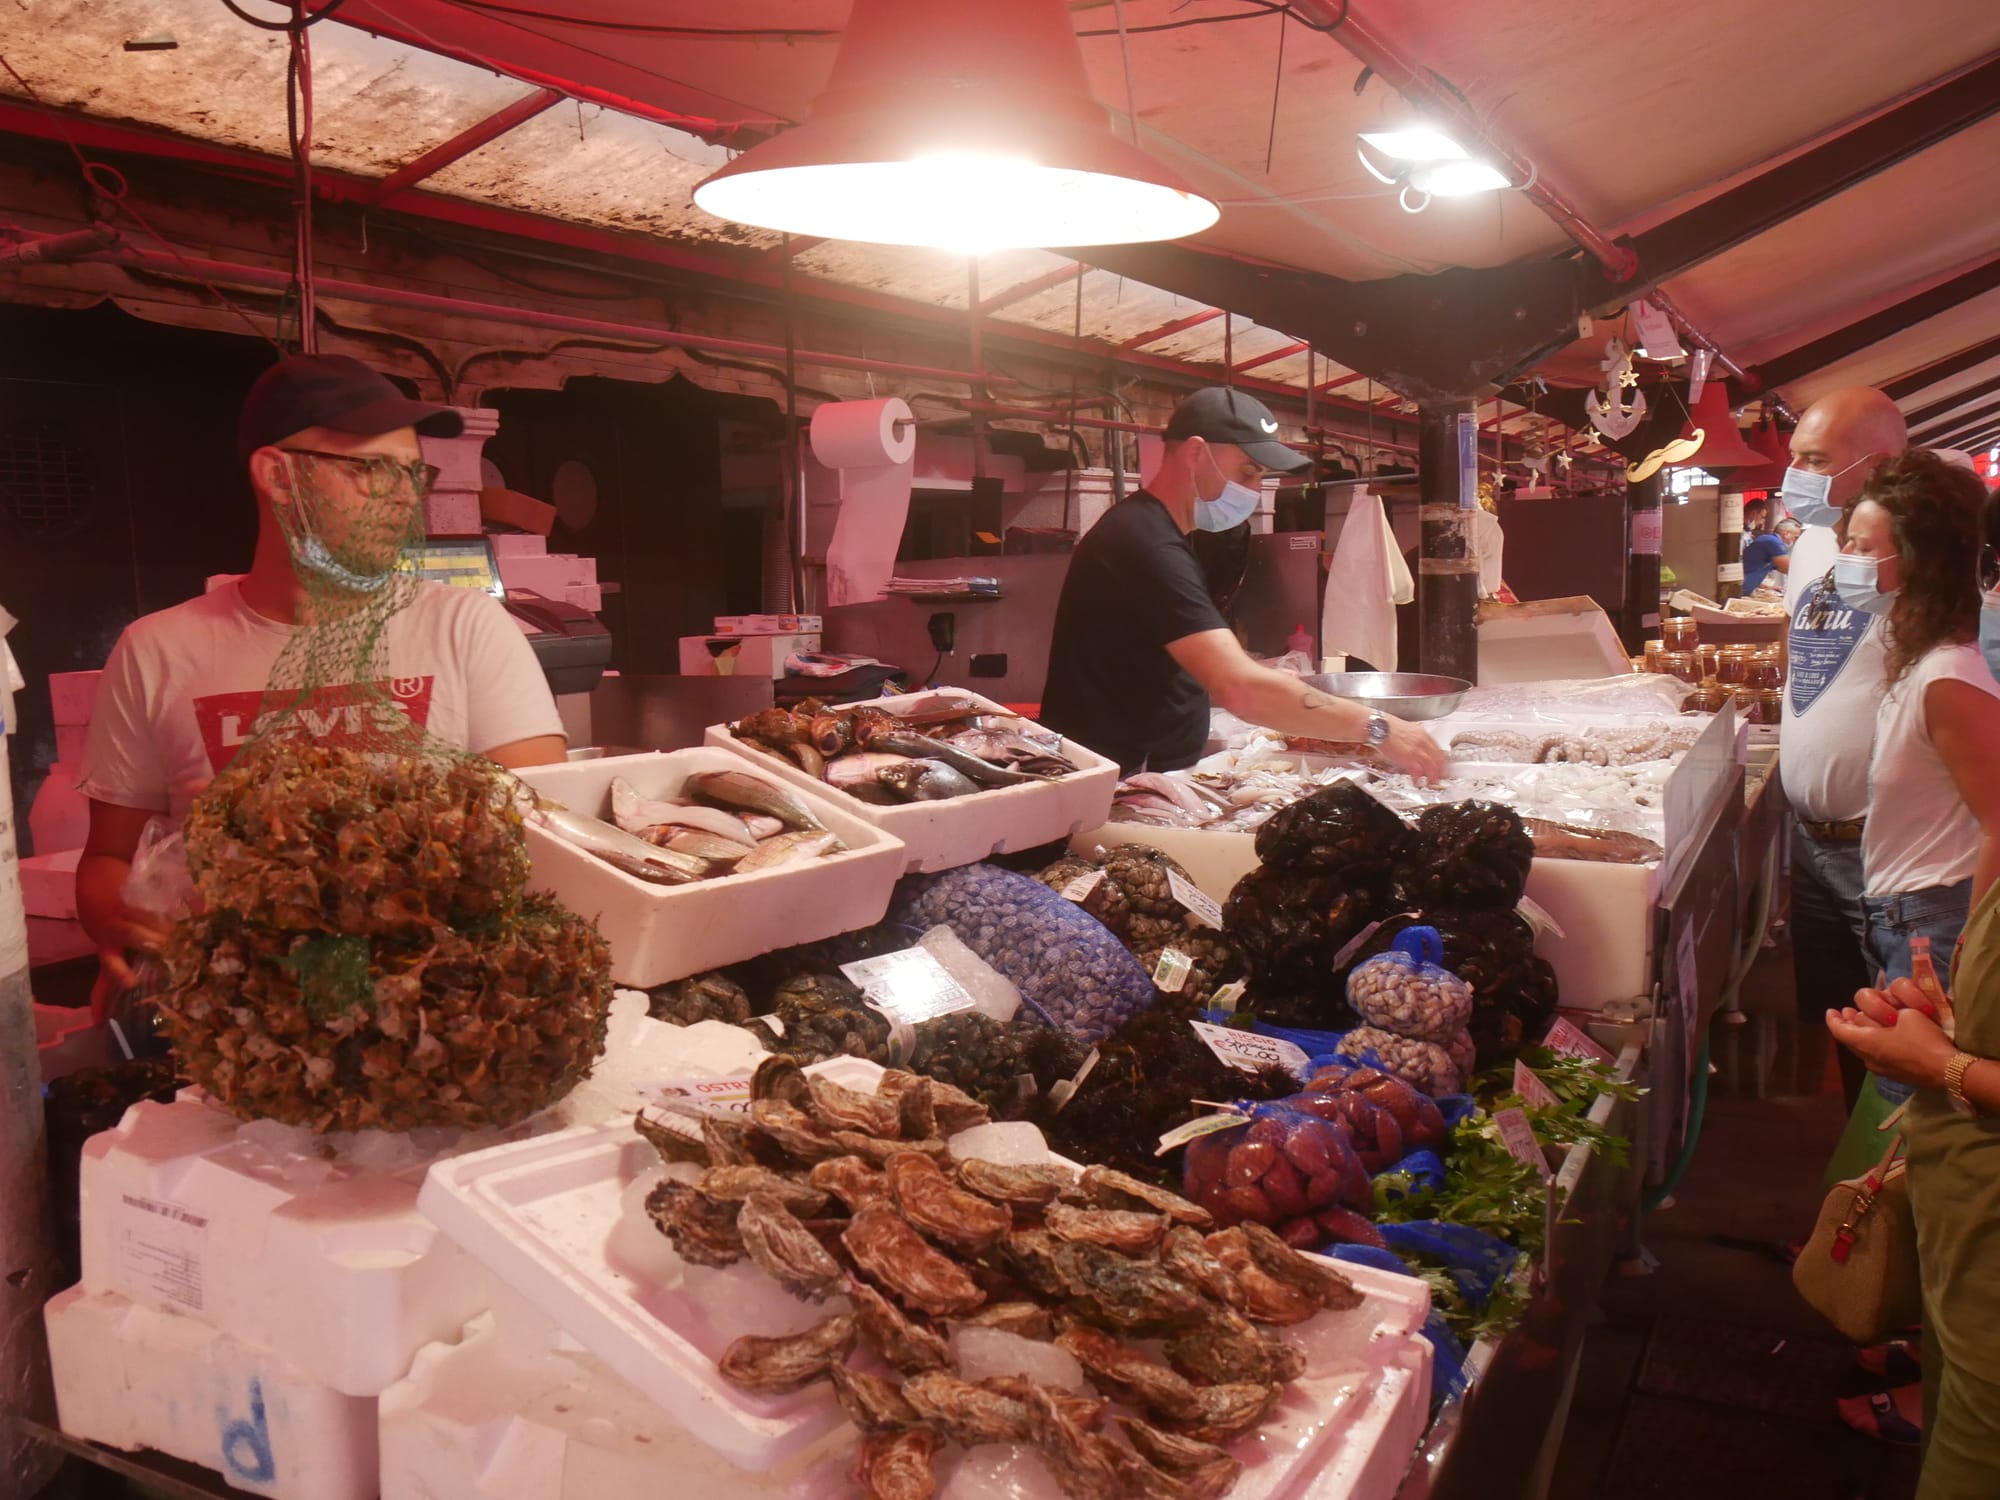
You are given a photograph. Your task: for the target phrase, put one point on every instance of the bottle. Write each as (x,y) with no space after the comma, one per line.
(1299,642)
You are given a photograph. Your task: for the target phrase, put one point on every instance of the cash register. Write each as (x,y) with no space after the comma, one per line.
(570,642)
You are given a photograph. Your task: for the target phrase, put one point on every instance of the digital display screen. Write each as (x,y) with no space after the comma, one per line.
(465,563)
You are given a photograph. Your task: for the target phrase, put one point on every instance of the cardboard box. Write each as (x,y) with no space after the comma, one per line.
(588,596)
(552,576)
(743,656)
(518,544)
(451,513)
(48,884)
(73,695)
(767,625)
(512,508)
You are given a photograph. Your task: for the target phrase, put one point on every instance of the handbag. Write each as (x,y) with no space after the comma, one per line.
(1859,1268)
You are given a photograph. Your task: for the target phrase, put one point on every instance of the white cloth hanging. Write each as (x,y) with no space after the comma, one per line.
(1366,582)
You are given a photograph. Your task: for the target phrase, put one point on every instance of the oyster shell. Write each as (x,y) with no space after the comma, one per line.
(898,1465)
(1119,1370)
(966,1413)
(954,1218)
(785,1249)
(735,1184)
(702,1230)
(851,1180)
(776,1365)
(904,1344)
(1202,1466)
(1325,1284)
(1229,1349)
(1029,1186)
(1114,1228)
(1266,1299)
(877,1152)
(840,1108)
(1186,1254)
(1229,1411)
(1108,1188)
(1128,1296)
(898,1259)
(872,1403)
(1026,1320)
(792,1129)
(914,1100)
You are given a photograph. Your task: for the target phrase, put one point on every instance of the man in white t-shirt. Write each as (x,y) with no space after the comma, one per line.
(1834,684)
(326,440)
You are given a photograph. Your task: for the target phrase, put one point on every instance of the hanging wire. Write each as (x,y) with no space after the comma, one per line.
(301,18)
(1125,52)
(1277,87)
(299,132)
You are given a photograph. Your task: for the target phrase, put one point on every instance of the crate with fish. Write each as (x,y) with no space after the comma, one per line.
(855,1274)
(953,775)
(692,859)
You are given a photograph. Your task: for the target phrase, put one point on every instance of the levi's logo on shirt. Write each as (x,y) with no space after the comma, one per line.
(344,716)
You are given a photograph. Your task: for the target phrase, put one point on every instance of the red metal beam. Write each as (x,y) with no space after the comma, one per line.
(1272,358)
(1153,336)
(467,141)
(1034,286)
(1334,385)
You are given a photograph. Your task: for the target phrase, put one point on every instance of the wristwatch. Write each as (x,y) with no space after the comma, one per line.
(1378,729)
(1954,1079)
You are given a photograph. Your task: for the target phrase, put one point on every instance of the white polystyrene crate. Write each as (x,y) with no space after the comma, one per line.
(964,830)
(547,1218)
(1602,955)
(660,933)
(67,1039)
(343,1273)
(132,1377)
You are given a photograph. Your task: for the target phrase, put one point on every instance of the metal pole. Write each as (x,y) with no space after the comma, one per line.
(1642,579)
(1447,570)
(26,1266)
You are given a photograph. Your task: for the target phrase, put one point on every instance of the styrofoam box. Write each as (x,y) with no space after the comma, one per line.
(343,1274)
(518,544)
(544,1216)
(747,655)
(73,695)
(132,1377)
(659,933)
(1603,955)
(70,742)
(965,830)
(48,884)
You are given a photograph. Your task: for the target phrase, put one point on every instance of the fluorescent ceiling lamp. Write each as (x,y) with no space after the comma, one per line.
(1415,143)
(967,128)
(1457,179)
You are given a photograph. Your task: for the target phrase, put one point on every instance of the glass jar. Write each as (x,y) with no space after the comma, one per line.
(1653,652)
(1680,633)
(1770,706)
(1746,704)
(1765,674)
(1706,699)
(1708,658)
(1680,664)
(1732,665)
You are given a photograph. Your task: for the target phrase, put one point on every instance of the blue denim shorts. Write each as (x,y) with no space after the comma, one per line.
(1938,913)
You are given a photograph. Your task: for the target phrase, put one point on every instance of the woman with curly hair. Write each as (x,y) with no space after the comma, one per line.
(1930,851)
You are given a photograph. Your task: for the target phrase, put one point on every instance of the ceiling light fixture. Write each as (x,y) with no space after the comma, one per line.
(967,128)
(1425,163)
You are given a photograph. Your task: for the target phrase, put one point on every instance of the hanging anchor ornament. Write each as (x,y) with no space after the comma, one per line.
(1609,413)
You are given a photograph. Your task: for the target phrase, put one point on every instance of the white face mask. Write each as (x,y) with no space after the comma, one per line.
(1856,580)
(1235,504)
(1810,496)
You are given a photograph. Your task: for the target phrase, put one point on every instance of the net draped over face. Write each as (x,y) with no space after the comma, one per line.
(365,952)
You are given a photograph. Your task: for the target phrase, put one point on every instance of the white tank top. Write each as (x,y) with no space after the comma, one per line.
(1920,832)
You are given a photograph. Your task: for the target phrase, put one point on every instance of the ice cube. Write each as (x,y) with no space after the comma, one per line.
(997,1471)
(993,991)
(277,1143)
(982,1352)
(636,1245)
(1011,1142)
(715,1049)
(739,1299)
(1335,1342)
(383,1152)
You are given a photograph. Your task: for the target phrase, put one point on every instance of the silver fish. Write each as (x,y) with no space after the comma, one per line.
(635,812)
(926,781)
(619,849)
(922,747)
(761,827)
(788,849)
(699,845)
(860,766)
(739,791)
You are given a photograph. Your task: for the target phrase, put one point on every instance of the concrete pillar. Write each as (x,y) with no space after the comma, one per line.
(1728,543)
(1447,568)
(1641,617)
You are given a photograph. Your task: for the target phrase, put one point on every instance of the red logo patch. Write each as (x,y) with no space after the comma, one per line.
(348,715)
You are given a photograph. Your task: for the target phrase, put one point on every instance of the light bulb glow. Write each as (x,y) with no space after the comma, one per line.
(1458,179)
(1415,143)
(961,201)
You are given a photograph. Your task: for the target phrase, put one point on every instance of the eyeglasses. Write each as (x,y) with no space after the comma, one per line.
(385,474)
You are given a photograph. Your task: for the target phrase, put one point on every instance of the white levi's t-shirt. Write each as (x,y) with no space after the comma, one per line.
(183,690)
(1833,685)
(1931,837)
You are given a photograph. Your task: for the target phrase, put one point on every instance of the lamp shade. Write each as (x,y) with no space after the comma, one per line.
(1722,445)
(1774,453)
(960,125)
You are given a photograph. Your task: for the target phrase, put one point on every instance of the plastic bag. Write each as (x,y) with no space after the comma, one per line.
(1280,1168)
(1408,990)
(1478,1261)
(1416,1114)
(1425,1065)
(158,882)
(1066,963)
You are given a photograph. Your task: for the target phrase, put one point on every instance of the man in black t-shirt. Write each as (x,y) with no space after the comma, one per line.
(1139,646)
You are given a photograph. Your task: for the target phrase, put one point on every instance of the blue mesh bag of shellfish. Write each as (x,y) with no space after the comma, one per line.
(1066,963)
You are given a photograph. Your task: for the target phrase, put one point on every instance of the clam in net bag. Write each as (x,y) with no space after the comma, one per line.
(364,953)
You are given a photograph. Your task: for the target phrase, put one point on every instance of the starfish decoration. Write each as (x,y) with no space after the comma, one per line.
(1628,377)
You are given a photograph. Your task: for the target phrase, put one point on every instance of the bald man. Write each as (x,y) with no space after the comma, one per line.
(1836,681)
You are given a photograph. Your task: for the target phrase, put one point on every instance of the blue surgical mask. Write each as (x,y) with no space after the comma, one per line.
(1854,579)
(1236,504)
(1809,497)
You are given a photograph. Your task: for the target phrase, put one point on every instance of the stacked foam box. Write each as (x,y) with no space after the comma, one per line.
(452,507)
(526,563)
(59,820)
(244,1302)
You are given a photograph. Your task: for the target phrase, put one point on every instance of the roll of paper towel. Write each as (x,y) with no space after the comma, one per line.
(872,445)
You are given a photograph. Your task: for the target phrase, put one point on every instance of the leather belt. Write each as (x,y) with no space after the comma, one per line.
(1846,831)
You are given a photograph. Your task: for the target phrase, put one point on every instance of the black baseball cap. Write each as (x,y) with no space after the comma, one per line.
(337,392)
(1222,414)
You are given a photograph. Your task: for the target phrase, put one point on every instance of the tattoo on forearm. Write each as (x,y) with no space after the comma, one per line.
(1313,699)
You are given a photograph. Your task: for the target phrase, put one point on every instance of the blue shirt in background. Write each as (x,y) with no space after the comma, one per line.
(1758,557)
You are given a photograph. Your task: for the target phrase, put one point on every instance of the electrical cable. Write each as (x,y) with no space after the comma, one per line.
(301,18)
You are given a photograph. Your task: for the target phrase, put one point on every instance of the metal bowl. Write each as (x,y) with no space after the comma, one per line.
(1407,695)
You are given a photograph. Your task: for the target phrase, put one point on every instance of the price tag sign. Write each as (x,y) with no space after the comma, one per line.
(1171,972)
(1079,889)
(1197,901)
(1249,1051)
(1229,997)
(699,1096)
(1200,1126)
(1519,1139)
(1531,1088)
(1573,1041)
(1065,1089)
(910,986)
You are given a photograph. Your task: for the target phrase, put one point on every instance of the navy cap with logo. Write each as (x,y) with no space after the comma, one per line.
(335,392)
(1222,414)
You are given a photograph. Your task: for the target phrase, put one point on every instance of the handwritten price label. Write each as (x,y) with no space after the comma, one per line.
(1531,1088)
(1518,1136)
(1199,903)
(1573,1041)
(1249,1051)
